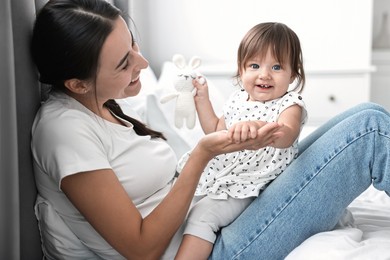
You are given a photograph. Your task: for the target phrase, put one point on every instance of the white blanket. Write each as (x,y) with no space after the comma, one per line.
(363,235)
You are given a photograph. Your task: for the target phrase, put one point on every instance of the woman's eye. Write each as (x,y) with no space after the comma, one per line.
(254,66)
(276,67)
(126,65)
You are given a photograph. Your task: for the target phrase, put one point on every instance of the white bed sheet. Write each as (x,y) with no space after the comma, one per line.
(364,232)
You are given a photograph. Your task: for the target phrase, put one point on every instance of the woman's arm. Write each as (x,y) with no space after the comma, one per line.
(101,199)
(207,117)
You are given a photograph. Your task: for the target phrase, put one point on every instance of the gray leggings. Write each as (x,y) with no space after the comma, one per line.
(208,215)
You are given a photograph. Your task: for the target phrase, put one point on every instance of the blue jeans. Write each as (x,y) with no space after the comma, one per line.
(336,164)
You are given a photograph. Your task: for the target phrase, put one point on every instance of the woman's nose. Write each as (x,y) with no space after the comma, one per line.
(141,61)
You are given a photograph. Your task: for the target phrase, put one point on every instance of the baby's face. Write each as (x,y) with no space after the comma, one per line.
(266,79)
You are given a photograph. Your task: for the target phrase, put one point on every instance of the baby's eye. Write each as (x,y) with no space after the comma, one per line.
(254,66)
(277,67)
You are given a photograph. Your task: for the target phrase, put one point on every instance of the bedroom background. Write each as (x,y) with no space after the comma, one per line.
(337,39)
(343,68)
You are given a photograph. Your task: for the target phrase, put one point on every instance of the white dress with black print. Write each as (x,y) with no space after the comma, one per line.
(245,173)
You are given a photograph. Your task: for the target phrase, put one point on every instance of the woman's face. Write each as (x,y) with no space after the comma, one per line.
(120,65)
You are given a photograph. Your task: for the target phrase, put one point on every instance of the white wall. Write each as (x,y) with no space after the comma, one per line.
(380,7)
(380,82)
(335,35)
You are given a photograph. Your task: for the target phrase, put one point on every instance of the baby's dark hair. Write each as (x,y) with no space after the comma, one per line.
(281,40)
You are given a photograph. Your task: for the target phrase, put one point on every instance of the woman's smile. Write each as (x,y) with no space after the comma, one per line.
(134,81)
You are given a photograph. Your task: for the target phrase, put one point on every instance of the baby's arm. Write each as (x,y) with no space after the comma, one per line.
(207,117)
(244,130)
(291,120)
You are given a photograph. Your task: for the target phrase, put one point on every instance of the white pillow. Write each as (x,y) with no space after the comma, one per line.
(165,86)
(159,116)
(60,238)
(149,85)
(146,107)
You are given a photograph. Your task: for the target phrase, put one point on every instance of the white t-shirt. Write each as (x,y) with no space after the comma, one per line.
(67,138)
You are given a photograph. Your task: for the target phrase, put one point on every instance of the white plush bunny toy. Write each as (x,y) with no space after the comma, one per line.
(185,91)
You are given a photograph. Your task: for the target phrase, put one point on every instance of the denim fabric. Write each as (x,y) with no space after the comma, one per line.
(336,164)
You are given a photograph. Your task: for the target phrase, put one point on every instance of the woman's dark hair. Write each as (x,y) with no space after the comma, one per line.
(283,42)
(68,36)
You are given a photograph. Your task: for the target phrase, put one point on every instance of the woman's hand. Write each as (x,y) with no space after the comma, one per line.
(222,141)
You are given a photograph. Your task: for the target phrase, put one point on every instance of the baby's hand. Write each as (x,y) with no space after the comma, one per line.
(219,142)
(201,80)
(202,90)
(243,131)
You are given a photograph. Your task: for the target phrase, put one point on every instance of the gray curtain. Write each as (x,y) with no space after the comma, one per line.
(19,101)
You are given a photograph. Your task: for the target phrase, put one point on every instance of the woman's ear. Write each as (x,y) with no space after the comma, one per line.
(76,86)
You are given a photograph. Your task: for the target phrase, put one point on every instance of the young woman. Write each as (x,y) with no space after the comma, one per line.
(99,199)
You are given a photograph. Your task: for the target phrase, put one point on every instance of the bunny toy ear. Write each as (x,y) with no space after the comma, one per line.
(179,61)
(194,62)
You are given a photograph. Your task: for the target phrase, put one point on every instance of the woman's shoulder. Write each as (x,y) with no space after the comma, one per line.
(62,106)
(60,114)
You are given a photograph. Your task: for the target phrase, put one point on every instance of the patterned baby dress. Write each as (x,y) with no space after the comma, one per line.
(245,173)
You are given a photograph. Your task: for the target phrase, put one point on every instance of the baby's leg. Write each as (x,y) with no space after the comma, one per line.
(204,220)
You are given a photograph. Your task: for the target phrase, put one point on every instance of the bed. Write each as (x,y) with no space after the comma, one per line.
(363,232)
